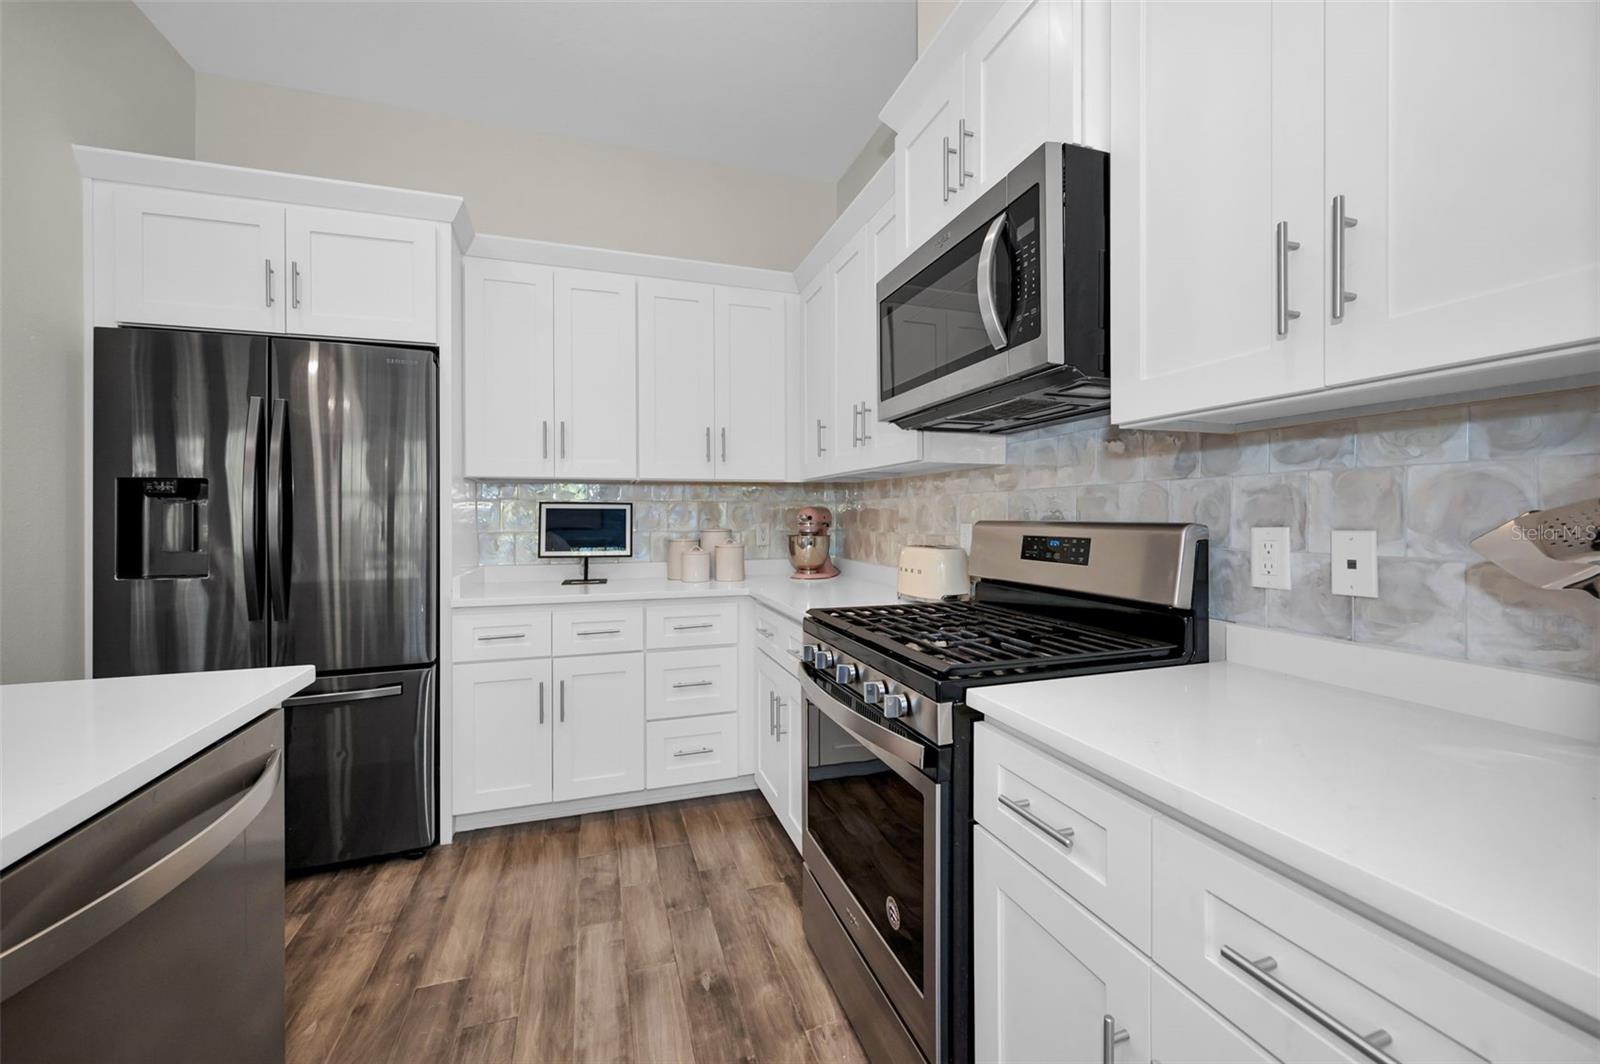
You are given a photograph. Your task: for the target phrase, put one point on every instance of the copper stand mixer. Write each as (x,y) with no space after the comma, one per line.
(808,545)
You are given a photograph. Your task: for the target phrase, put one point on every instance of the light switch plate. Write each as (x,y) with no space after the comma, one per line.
(1355,563)
(1269,558)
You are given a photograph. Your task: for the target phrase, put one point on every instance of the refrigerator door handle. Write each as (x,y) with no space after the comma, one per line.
(252,510)
(278,510)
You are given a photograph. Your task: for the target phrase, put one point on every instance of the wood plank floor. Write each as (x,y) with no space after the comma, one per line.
(657,935)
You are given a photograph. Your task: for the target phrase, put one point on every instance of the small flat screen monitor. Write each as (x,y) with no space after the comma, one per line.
(585,529)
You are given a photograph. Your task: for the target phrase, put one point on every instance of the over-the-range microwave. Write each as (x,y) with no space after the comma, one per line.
(999,322)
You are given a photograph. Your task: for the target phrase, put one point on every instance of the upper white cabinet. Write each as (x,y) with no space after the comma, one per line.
(508,401)
(1216,142)
(712,362)
(207,262)
(596,367)
(816,413)
(927,150)
(195,260)
(362,275)
(1320,207)
(1478,220)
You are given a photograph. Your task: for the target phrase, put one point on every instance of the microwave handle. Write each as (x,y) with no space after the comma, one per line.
(986,306)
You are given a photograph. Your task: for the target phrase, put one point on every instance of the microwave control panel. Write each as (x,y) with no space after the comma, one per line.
(1022,218)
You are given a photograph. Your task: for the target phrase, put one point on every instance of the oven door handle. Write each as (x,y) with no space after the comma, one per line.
(987,310)
(868,731)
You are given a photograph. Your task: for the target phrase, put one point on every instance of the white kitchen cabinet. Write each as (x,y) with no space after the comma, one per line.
(927,146)
(1216,133)
(198,261)
(361,275)
(599,725)
(884,443)
(780,772)
(1478,221)
(1184,1029)
(596,376)
(691,750)
(1017,93)
(501,713)
(855,350)
(508,405)
(1048,976)
(677,400)
(818,458)
(751,370)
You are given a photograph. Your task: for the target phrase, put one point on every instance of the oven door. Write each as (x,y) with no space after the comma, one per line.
(874,827)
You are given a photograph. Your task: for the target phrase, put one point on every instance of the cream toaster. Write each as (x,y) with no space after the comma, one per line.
(928,574)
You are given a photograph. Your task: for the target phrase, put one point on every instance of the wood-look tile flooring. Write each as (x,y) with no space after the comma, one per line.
(664,934)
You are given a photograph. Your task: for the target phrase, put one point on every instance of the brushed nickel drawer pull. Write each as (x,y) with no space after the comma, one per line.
(502,638)
(1371,1045)
(1111,1036)
(692,627)
(602,631)
(691,683)
(692,753)
(1021,807)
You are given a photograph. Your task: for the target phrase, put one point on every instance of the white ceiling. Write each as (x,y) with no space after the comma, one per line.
(788,87)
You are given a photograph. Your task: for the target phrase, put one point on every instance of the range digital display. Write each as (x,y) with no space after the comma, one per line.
(1064,550)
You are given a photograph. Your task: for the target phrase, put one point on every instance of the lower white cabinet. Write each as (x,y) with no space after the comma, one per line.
(691,683)
(501,714)
(780,749)
(1183,1028)
(1048,977)
(691,750)
(599,720)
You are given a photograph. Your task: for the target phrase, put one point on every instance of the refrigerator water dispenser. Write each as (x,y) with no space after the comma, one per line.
(161,528)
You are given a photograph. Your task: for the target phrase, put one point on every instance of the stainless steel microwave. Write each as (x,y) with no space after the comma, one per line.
(999,322)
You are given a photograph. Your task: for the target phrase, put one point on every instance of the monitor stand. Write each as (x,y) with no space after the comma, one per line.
(585,579)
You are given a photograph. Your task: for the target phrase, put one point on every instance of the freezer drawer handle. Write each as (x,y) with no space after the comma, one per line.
(386,691)
(1370,1046)
(38,955)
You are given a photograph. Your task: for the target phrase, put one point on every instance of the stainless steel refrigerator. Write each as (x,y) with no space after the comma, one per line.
(266,501)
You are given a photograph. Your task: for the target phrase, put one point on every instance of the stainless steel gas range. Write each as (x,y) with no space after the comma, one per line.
(888,810)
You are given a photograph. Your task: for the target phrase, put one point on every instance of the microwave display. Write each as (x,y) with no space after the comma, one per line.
(932,325)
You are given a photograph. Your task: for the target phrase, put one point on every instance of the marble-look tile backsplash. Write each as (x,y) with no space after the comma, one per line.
(1428,481)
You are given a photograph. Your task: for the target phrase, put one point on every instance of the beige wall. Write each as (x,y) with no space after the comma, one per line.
(930,16)
(93,73)
(518,183)
(876,152)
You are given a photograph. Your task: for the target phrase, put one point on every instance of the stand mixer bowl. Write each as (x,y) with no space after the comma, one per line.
(808,551)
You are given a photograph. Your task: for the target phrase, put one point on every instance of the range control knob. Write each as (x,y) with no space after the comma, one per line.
(823,659)
(872,692)
(896,706)
(808,653)
(844,672)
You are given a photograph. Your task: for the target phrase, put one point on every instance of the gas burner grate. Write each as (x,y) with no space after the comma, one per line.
(968,639)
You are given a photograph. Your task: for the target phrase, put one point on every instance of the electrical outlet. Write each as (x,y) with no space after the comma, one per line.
(1355,564)
(1269,558)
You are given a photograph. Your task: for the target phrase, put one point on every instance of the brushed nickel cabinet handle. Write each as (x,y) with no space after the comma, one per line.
(502,638)
(692,627)
(865,435)
(1111,1036)
(692,753)
(269,281)
(724,432)
(294,284)
(561,699)
(778,702)
(601,631)
(1282,246)
(961,159)
(948,188)
(820,428)
(563,438)
(708,443)
(1371,1045)
(1021,807)
(546,438)
(1341,296)
(680,685)
(541,701)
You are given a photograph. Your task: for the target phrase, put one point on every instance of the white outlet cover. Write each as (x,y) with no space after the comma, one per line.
(1355,563)
(1269,558)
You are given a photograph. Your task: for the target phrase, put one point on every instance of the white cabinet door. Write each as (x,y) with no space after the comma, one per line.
(1183,1028)
(886,443)
(1216,133)
(198,261)
(1478,222)
(855,351)
(790,737)
(599,726)
(365,276)
(778,773)
(1048,974)
(501,712)
(677,401)
(752,376)
(817,424)
(1015,96)
(925,159)
(596,345)
(508,409)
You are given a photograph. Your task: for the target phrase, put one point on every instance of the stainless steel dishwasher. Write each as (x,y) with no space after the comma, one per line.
(154,932)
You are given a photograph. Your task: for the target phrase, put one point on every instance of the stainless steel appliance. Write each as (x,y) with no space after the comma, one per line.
(1555,549)
(999,322)
(888,829)
(265,501)
(155,931)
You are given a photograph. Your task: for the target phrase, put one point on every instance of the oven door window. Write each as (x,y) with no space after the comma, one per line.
(871,825)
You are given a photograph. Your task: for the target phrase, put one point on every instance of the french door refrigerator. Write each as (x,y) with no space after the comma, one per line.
(269,501)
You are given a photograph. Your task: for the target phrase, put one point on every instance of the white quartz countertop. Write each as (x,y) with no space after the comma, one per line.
(72,749)
(1482,835)
(788,596)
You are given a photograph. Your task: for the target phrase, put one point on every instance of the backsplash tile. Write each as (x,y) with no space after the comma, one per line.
(1428,481)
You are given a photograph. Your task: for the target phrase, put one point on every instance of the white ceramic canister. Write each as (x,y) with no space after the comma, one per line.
(712,538)
(675,549)
(729,562)
(696,566)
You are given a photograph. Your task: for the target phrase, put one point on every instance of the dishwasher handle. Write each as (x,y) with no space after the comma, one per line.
(43,952)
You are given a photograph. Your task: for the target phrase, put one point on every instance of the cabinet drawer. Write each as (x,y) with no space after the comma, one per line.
(778,636)
(688,683)
(597,630)
(1030,800)
(701,624)
(1217,914)
(691,750)
(499,634)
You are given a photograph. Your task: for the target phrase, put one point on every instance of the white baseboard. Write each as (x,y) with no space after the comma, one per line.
(524,814)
